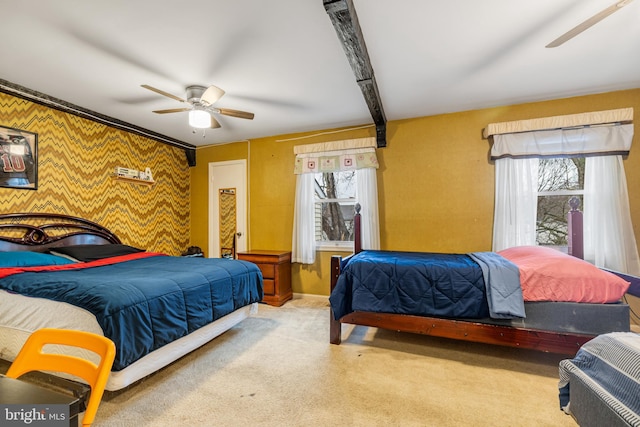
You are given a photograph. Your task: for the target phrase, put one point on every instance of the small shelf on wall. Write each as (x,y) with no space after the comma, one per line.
(133,180)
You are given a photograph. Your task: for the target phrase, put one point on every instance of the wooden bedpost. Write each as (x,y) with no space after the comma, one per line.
(357,231)
(575,229)
(335,327)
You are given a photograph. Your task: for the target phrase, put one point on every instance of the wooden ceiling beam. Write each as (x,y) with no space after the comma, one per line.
(345,21)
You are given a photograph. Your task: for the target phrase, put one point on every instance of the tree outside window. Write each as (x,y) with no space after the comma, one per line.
(335,198)
(559,179)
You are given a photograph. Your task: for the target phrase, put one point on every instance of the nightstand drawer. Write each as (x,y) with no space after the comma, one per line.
(269,286)
(268,270)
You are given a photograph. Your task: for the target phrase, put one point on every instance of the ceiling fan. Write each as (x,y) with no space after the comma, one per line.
(589,23)
(200,100)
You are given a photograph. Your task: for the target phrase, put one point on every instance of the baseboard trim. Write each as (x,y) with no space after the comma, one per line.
(297,295)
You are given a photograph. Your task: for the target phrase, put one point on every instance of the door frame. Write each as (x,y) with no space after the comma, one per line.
(239,182)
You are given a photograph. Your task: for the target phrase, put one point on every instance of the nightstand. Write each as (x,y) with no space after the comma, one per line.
(276,272)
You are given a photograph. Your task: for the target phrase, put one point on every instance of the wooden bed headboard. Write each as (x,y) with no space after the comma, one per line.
(39,232)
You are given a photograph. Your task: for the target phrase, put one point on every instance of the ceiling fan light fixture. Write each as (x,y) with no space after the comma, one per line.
(199,119)
(200,109)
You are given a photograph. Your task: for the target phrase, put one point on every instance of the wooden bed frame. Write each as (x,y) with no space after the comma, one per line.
(36,233)
(467,330)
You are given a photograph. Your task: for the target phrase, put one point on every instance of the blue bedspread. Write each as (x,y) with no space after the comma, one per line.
(426,284)
(143,304)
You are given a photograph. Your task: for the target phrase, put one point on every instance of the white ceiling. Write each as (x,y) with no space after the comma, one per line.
(282,60)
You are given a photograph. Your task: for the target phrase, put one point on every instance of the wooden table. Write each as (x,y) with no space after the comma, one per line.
(27,396)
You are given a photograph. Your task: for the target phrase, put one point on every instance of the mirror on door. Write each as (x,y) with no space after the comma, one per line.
(227,204)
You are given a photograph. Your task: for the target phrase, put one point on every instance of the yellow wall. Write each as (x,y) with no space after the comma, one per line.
(435,182)
(200,187)
(76,161)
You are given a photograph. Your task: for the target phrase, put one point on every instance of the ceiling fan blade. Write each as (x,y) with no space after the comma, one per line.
(171,110)
(211,95)
(234,113)
(214,123)
(589,23)
(163,93)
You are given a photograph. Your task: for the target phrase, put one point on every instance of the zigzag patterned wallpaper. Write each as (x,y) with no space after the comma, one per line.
(76,163)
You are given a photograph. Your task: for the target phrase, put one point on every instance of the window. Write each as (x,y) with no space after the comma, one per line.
(602,138)
(329,176)
(559,179)
(334,203)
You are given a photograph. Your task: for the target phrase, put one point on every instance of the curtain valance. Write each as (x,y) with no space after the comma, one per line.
(581,142)
(336,156)
(622,115)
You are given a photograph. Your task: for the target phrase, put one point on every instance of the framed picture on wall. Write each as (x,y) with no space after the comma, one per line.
(18,158)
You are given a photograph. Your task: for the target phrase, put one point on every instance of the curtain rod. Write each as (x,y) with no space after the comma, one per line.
(324,133)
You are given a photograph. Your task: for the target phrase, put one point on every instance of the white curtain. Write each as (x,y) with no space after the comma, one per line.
(354,154)
(609,240)
(303,243)
(595,141)
(514,221)
(367,193)
(303,248)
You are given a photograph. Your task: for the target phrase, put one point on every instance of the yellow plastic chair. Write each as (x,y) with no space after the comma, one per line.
(32,358)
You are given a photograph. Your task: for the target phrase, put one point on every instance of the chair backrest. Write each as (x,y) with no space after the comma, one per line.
(32,358)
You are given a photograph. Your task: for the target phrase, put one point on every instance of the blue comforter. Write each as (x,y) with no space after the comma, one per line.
(143,304)
(429,284)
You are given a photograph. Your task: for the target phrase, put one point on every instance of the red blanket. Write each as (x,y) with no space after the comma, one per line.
(4,272)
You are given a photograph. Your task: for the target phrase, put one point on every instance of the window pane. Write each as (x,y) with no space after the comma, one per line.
(551,222)
(334,217)
(336,185)
(561,174)
(557,176)
(334,221)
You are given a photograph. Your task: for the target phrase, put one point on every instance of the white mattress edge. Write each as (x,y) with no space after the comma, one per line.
(171,352)
(21,315)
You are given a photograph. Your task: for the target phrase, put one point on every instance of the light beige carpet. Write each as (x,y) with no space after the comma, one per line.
(277,368)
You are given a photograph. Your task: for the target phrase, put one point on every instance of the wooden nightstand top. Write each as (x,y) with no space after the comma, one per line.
(265,252)
(259,255)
